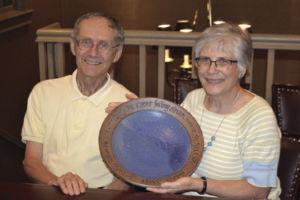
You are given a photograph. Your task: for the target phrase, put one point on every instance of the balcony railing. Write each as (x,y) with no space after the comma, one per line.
(51,41)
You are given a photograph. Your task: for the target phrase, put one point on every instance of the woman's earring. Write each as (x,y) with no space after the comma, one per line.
(241,75)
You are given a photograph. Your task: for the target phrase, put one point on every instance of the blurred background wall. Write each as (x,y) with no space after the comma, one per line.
(19,55)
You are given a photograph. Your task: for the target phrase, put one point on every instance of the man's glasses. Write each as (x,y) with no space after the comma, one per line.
(219,63)
(87,44)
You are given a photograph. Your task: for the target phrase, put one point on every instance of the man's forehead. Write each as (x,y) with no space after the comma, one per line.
(99,21)
(96,25)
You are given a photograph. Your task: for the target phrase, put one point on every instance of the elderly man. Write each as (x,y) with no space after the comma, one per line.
(64,115)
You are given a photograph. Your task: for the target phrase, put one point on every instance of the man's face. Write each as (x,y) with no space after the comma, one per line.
(95,48)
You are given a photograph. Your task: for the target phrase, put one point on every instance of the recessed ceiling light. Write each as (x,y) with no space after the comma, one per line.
(219,22)
(244,26)
(163,26)
(186,30)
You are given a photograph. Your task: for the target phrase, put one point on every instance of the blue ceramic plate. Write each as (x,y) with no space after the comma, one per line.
(148,141)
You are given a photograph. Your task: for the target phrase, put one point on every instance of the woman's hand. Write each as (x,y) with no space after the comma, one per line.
(112,105)
(183,184)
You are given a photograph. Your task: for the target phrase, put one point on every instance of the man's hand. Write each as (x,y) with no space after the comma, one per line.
(112,105)
(70,184)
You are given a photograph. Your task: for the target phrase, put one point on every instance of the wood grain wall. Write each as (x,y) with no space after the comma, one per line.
(19,65)
(18,51)
(266,16)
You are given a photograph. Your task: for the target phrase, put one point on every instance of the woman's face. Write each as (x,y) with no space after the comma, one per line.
(218,80)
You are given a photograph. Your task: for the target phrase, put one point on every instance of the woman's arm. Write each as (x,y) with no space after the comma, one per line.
(221,188)
(236,189)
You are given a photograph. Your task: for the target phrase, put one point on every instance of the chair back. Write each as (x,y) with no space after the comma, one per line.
(182,87)
(286,105)
(289,168)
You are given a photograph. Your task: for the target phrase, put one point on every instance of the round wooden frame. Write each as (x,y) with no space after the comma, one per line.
(130,107)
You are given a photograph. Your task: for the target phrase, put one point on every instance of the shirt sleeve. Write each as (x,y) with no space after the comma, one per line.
(261,148)
(191,101)
(33,127)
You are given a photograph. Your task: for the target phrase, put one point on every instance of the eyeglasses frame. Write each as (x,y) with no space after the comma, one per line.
(101,49)
(231,62)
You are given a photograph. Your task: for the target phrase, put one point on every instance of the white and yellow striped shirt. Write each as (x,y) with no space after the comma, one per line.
(246,146)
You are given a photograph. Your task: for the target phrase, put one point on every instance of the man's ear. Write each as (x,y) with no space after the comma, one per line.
(72,46)
(118,53)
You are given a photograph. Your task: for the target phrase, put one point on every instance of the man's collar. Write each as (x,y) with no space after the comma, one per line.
(95,98)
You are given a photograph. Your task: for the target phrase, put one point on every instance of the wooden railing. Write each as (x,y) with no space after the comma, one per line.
(51,41)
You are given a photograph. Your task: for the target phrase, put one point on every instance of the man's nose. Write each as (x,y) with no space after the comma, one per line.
(94,50)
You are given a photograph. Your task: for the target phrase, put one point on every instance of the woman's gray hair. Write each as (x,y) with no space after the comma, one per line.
(227,38)
(114,24)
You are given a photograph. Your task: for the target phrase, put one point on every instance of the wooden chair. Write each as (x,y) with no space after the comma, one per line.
(182,87)
(285,102)
(286,105)
(289,168)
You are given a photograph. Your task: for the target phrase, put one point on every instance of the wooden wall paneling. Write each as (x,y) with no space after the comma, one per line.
(20,66)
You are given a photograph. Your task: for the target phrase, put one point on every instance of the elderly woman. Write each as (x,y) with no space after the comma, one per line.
(241,136)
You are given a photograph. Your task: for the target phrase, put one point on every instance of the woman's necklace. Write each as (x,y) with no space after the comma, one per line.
(213,137)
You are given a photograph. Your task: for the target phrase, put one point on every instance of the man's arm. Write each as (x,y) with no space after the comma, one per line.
(118,184)
(33,165)
(69,183)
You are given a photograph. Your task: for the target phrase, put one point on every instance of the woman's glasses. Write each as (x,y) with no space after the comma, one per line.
(205,62)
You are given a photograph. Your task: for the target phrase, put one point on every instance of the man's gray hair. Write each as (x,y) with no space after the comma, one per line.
(114,24)
(228,38)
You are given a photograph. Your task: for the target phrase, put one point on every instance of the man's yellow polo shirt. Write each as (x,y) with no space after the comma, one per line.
(67,123)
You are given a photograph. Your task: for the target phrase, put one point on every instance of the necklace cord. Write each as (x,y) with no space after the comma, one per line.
(213,137)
